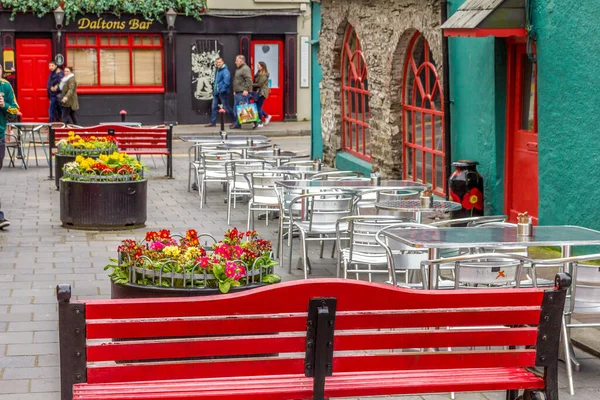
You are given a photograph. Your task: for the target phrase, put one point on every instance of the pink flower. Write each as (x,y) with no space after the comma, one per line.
(157,246)
(238,251)
(204,262)
(235,271)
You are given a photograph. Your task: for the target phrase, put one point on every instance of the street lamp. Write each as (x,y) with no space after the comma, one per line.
(59,18)
(171,17)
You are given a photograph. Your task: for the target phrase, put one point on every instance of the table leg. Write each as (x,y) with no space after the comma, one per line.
(433,255)
(419,217)
(566,252)
(34,148)
(43,146)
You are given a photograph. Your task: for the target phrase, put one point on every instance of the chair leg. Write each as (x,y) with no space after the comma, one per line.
(267,218)
(304,253)
(190,178)
(322,244)
(333,249)
(566,344)
(290,243)
(228,205)
(249,215)
(280,240)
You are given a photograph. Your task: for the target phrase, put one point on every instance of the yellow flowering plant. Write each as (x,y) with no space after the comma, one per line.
(116,167)
(91,146)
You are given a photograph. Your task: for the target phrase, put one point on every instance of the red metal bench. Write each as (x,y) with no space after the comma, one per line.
(131,140)
(294,322)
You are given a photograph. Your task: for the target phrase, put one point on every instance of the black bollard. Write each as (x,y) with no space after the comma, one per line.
(123,115)
(222,115)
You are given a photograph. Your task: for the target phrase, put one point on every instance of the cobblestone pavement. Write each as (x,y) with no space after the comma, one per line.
(36,254)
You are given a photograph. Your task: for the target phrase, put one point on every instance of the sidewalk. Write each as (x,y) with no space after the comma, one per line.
(274,129)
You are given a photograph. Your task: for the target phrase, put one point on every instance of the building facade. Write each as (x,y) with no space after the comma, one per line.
(382,88)
(155,73)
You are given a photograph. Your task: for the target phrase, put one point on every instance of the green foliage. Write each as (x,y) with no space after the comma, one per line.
(151,10)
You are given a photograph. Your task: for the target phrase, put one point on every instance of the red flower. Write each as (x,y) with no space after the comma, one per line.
(473,199)
(150,236)
(454,197)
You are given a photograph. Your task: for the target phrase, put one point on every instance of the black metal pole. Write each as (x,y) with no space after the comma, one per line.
(222,116)
(447,101)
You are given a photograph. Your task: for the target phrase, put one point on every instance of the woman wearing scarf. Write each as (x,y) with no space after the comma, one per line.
(70,102)
(261,84)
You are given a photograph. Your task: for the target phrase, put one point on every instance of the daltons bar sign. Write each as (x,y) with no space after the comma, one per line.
(100,23)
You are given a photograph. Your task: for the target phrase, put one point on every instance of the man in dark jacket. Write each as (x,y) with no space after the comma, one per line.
(221,91)
(242,85)
(52,88)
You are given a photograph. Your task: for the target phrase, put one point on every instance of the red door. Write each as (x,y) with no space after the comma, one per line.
(271,52)
(522,135)
(32,74)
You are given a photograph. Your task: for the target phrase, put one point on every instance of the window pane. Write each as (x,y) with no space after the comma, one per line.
(84,63)
(147,67)
(147,40)
(439,173)
(114,67)
(269,54)
(529,89)
(71,39)
(157,40)
(114,40)
(103,39)
(91,40)
(137,40)
(81,40)
(124,40)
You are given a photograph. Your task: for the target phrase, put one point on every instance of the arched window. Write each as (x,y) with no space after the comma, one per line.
(423,118)
(355,98)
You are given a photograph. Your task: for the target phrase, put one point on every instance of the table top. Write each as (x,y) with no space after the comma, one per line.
(307,168)
(28,124)
(217,139)
(415,206)
(282,154)
(353,184)
(496,236)
(242,145)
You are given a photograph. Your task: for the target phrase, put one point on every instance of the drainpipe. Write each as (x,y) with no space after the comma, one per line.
(447,102)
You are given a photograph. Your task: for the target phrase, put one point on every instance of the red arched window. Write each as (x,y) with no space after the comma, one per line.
(356,138)
(423,118)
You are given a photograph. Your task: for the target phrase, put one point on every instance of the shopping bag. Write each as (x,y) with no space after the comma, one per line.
(246,113)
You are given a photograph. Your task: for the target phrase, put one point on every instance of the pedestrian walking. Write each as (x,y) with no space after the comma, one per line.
(261,84)
(221,92)
(69,99)
(8,110)
(56,75)
(242,86)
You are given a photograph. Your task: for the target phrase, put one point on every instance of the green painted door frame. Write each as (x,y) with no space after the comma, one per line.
(316,147)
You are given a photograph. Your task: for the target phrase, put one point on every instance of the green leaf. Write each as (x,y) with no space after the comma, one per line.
(224,286)
(272,278)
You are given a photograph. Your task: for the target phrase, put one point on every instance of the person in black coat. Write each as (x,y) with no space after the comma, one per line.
(53,90)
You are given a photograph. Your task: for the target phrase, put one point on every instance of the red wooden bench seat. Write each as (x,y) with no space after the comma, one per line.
(278,342)
(134,141)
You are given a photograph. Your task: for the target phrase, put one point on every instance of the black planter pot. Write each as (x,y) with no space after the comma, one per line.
(103,205)
(133,291)
(59,163)
(466,187)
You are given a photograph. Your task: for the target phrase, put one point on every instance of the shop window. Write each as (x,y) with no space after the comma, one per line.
(356,138)
(423,158)
(107,63)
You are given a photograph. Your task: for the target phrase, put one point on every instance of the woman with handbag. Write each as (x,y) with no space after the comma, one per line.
(261,84)
(69,99)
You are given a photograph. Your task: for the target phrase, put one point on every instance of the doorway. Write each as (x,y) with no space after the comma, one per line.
(32,57)
(522,188)
(270,52)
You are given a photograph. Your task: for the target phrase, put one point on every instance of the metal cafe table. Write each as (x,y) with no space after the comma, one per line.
(352,184)
(414,206)
(279,158)
(26,130)
(306,171)
(230,139)
(244,147)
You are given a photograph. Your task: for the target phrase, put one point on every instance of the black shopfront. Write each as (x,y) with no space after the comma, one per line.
(157,75)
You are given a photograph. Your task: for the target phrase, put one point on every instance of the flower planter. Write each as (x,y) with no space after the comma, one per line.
(134,291)
(59,163)
(103,205)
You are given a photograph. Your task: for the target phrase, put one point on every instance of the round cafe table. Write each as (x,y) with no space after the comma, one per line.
(244,147)
(414,206)
(282,157)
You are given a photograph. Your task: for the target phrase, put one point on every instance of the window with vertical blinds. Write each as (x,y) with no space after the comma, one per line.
(116,63)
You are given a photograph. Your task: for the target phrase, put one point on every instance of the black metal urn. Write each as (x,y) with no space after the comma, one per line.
(103,205)
(466,187)
(59,163)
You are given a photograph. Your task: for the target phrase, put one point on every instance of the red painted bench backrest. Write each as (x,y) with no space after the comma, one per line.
(271,320)
(128,138)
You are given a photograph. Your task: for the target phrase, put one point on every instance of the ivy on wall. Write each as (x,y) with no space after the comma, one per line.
(149,9)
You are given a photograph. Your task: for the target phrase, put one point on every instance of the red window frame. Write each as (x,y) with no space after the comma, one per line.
(427,109)
(131,88)
(355,99)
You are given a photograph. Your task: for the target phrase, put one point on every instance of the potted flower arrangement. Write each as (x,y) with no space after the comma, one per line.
(109,192)
(74,145)
(165,265)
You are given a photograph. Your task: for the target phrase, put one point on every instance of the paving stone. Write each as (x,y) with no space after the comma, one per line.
(17,362)
(13,386)
(16,337)
(32,326)
(32,349)
(45,385)
(31,373)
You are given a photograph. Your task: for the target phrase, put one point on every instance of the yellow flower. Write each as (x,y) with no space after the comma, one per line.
(172,251)
(79,159)
(103,157)
(192,253)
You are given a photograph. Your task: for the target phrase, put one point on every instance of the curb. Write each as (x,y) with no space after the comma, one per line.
(289,132)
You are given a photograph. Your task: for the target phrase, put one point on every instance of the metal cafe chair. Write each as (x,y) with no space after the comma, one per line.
(237,185)
(357,246)
(403,259)
(584,299)
(482,270)
(335,175)
(263,196)
(14,149)
(319,219)
(194,159)
(373,196)
(469,221)
(211,168)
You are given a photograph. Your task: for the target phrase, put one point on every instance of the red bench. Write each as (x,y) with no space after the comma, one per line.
(131,140)
(295,323)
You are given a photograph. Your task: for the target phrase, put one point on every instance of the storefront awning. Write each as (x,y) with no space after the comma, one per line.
(481,18)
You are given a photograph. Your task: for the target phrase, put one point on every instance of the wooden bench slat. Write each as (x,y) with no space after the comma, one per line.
(200,347)
(195,369)
(297,294)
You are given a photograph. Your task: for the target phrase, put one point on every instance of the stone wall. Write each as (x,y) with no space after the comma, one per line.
(384,28)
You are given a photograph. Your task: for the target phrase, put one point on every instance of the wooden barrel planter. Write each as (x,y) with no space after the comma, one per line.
(103,205)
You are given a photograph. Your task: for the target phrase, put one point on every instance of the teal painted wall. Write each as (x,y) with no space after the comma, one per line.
(347,162)
(316,148)
(477,104)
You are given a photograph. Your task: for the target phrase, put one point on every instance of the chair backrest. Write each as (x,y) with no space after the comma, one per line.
(361,233)
(325,208)
(213,162)
(262,184)
(471,221)
(336,175)
(489,270)
(237,169)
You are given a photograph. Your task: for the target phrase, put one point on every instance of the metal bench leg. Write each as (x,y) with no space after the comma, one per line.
(567,349)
